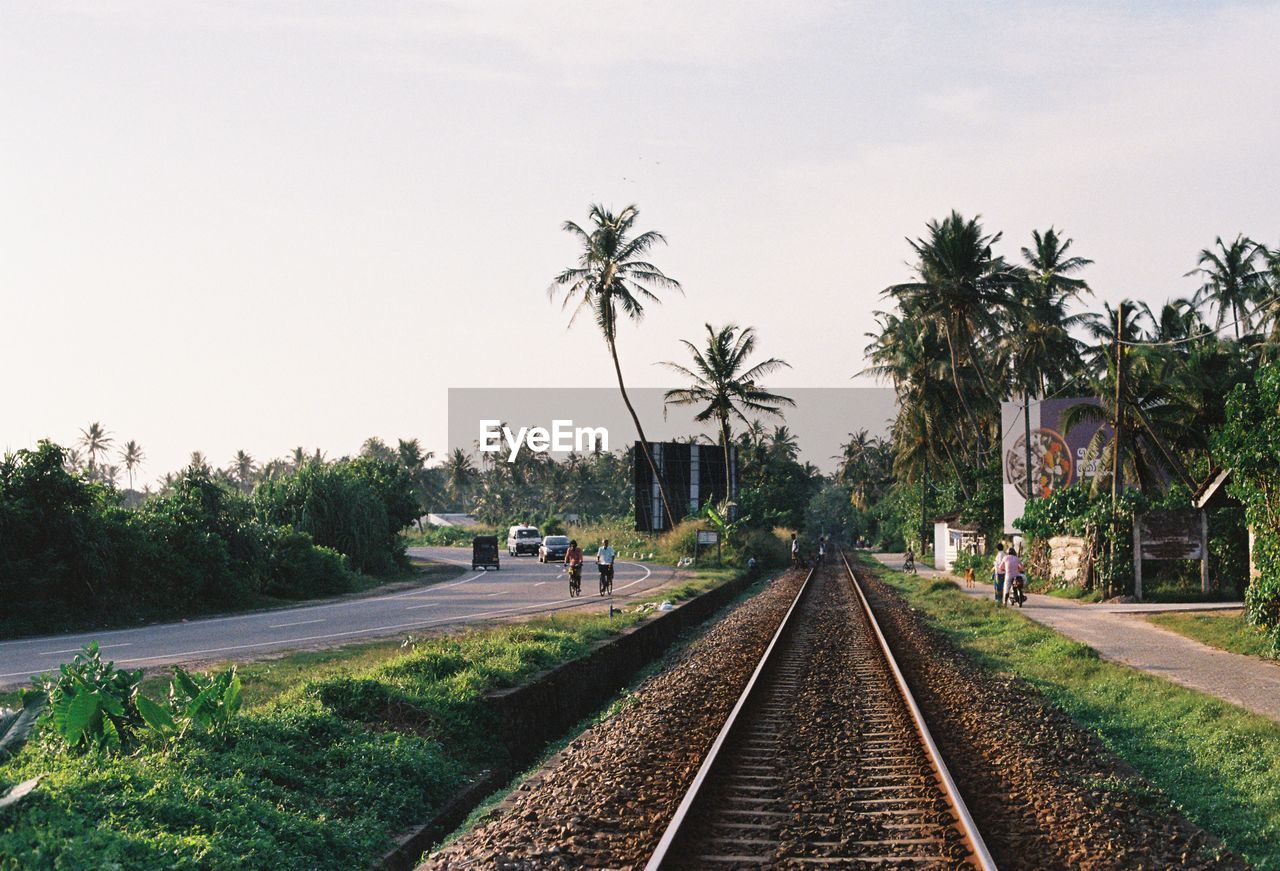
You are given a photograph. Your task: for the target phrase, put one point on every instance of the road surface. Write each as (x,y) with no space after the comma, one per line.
(523,586)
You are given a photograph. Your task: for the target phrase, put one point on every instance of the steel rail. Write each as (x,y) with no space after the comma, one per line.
(691,795)
(964,820)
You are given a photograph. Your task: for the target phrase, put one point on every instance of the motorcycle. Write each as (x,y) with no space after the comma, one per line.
(1017,594)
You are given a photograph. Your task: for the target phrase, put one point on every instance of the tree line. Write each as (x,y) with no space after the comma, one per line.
(972,328)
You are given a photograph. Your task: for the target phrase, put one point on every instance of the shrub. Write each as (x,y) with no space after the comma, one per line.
(300,569)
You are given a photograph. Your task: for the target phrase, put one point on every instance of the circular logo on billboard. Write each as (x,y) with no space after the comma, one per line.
(1050,463)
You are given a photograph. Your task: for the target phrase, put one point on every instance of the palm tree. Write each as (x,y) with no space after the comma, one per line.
(962,286)
(198,462)
(1232,282)
(612,275)
(725,385)
(95,440)
(459,472)
(377,449)
(132,457)
(411,455)
(1037,340)
(242,470)
(1137,397)
(297,458)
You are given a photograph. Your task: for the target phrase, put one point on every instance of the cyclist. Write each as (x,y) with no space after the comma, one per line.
(573,565)
(604,561)
(909,563)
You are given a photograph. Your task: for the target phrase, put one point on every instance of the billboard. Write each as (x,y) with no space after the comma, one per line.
(1058,458)
(693,475)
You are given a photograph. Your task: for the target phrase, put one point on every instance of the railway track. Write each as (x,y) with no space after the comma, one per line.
(825,759)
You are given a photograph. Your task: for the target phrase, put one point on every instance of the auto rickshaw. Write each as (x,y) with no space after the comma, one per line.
(484,552)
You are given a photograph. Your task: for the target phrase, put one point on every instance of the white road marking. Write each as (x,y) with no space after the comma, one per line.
(540,583)
(78,649)
(295,623)
(416,624)
(428,605)
(491,595)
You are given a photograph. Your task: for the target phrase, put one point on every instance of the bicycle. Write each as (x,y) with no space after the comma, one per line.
(575,581)
(606,579)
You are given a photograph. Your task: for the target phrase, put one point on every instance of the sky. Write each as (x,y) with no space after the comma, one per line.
(255,225)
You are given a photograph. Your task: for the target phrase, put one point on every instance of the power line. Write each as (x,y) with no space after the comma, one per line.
(1198,336)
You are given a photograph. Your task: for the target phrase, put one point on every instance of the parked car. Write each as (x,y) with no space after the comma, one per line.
(523,539)
(553,549)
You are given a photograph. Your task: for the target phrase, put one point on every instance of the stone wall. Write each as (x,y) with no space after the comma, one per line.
(1067,560)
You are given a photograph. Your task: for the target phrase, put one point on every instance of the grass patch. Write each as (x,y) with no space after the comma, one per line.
(1215,761)
(1223,630)
(337,752)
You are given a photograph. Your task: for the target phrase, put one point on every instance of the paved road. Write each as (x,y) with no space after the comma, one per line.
(1118,633)
(523,586)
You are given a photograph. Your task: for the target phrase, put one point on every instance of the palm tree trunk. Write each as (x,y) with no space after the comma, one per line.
(724,440)
(955,380)
(644,443)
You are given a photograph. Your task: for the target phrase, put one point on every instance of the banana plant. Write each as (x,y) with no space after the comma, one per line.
(16,724)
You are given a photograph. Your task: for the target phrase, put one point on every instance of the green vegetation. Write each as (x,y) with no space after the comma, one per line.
(1249,441)
(1223,630)
(972,328)
(318,774)
(1214,760)
(75,555)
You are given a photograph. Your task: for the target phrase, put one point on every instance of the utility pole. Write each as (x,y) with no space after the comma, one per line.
(1117,426)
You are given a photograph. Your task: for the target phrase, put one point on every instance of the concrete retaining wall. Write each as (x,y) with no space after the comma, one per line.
(543,709)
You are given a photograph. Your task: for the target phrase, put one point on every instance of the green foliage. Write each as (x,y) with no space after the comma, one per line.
(1212,759)
(92,703)
(355,507)
(1249,442)
(16,724)
(73,556)
(201,701)
(322,777)
(831,512)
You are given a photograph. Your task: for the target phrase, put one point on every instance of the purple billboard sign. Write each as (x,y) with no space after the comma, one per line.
(1058,458)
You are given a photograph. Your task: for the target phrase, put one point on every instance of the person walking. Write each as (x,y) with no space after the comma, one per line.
(1012,570)
(795,551)
(997,572)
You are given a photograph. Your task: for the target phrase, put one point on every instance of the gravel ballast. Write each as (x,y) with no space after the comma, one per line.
(1045,793)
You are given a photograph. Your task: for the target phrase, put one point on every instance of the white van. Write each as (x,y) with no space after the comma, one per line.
(523,539)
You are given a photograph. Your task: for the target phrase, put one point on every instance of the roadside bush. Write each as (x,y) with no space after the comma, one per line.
(1250,442)
(72,556)
(300,569)
(356,507)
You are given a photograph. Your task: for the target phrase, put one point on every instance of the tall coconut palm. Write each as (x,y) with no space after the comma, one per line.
(297,458)
(411,455)
(459,472)
(132,457)
(242,470)
(377,449)
(612,277)
(198,462)
(1139,400)
(963,287)
(1037,340)
(1233,284)
(725,384)
(95,440)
